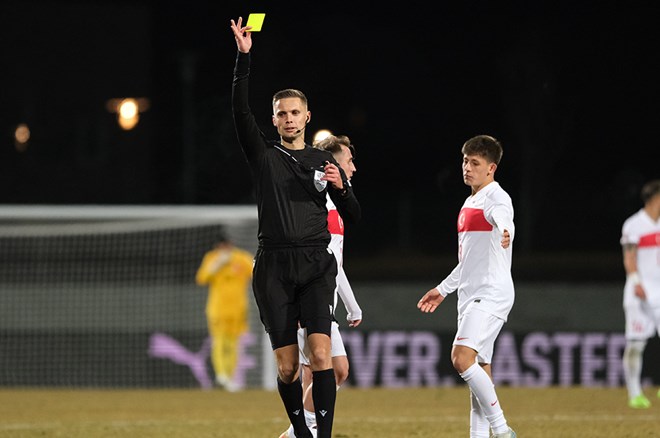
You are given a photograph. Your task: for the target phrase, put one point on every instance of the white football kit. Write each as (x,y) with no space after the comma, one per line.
(482,277)
(643,317)
(343,289)
(483,271)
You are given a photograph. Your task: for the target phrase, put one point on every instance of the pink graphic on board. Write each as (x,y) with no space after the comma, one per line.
(163,346)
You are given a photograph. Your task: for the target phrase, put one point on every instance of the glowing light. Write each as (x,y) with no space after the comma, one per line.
(321,135)
(21,137)
(128,110)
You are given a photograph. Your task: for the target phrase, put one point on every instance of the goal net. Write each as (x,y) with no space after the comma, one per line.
(104,296)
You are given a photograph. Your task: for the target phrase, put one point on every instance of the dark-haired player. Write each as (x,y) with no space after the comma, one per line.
(640,240)
(483,280)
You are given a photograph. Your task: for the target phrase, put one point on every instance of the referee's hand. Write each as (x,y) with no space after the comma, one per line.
(242,35)
(333,176)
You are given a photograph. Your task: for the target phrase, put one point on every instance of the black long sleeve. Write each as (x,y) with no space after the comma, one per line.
(346,202)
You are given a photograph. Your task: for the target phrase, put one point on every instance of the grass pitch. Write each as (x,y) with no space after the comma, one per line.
(361,413)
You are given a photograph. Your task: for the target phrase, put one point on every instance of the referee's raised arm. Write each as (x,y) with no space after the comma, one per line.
(248,133)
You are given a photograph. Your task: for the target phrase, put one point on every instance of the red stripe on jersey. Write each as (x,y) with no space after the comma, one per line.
(335,223)
(649,240)
(473,219)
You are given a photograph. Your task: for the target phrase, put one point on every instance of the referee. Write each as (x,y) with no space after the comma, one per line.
(294,270)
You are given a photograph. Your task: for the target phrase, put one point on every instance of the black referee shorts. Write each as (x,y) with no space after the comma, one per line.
(294,285)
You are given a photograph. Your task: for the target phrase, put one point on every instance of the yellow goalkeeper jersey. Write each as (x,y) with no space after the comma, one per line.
(228,295)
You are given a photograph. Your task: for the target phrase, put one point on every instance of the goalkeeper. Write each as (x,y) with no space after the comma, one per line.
(226,270)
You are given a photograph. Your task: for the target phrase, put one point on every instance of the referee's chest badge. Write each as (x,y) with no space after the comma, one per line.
(319,183)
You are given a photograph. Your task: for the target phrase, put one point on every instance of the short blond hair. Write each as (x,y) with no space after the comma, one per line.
(333,144)
(288,93)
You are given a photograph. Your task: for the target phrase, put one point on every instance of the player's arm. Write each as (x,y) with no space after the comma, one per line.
(502,217)
(433,298)
(630,265)
(203,276)
(345,291)
(211,264)
(222,258)
(450,283)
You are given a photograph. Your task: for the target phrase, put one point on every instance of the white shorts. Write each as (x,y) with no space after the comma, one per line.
(338,348)
(642,320)
(478,329)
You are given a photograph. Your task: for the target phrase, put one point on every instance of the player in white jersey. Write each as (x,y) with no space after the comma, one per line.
(640,240)
(343,151)
(483,280)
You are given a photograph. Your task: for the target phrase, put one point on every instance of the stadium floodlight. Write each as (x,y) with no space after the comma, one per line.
(21,137)
(128,110)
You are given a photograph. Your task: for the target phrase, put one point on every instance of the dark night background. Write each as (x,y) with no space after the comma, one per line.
(570,88)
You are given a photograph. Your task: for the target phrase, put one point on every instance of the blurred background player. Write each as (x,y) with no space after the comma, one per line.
(344,152)
(226,270)
(483,280)
(640,240)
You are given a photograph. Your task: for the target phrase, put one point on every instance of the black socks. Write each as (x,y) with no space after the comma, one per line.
(291,394)
(324,394)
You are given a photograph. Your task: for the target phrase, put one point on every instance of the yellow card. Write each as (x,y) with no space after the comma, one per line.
(256,21)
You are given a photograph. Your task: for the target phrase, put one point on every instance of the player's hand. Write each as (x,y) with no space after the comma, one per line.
(333,176)
(506,239)
(430,301)
(354,323)
(640,292)
(242,35)
(222,256)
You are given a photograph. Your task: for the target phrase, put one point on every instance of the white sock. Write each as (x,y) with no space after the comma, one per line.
(310,419)
(482,387)
(479,425)
(632,366)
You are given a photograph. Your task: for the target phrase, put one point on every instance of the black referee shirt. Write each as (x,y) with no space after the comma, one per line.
(291,200)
